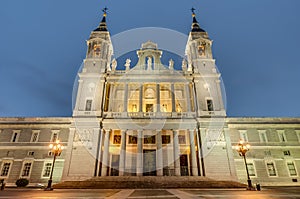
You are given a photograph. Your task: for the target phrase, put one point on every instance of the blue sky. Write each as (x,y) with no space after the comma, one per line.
(256,47)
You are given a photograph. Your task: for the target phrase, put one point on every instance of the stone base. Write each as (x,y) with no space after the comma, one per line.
(147,182)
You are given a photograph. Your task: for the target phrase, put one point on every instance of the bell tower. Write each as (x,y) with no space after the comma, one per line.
(95,67)
(206,76)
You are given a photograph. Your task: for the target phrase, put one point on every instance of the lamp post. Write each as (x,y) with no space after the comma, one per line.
(242,148)
(56,149)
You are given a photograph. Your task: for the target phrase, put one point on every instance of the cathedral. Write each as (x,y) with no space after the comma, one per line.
(150,119)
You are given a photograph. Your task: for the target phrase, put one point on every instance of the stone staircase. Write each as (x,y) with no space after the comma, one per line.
(147,182)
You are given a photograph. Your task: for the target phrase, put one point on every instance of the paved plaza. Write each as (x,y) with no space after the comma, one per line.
(285,192)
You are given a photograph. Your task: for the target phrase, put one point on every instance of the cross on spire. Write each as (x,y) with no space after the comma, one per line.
(193,10)
(104,10)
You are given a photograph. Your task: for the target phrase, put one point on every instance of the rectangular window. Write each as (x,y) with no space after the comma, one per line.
(209,104)
(132,139)
(181,139)
(267,153)
(26,169)
(291,168)
(282,137)
(30,153)
(88,105)
(149,140)
(47,169)
(15,136)
(263,137)
(50,153)
(287,153)
(251,169)
(271,169)
(5,169)
(166,139)
(34,136)
(243,135)
(54,136)
(117,139)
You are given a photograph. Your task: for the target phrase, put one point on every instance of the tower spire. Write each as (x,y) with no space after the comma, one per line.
(102,26)
(195,24)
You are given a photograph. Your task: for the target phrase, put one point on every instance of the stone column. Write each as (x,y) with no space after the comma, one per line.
(176,149)
(157,98)
(122,153)
(173,98)
(188,98)
(139,159)
(105,157)
(193,153)
(159,154)
(126,98)
(141,98)
(199,151)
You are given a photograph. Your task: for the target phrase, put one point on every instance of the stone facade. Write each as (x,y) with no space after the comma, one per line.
(150,120)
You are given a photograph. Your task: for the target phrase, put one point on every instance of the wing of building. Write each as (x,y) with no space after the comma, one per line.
(150,120)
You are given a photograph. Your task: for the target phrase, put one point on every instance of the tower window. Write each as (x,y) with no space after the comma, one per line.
(97,50)
(201,49)
(88,105)
(209,104)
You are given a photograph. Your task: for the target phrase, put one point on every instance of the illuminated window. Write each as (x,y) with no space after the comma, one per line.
(134,108)
(201,49)
(117,139)
(166,139)
(149,140)
(181,139)
(97,50)
(132,139)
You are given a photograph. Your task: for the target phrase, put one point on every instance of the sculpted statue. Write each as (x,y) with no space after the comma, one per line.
(149,63)
(184,65)
(114,64)
(171,64)
(127,64)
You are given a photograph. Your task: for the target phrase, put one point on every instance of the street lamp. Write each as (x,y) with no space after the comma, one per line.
(242,148)
(56,149)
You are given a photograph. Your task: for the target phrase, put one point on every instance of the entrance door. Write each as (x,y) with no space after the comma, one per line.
(149,161)
(115,165)
(184,171)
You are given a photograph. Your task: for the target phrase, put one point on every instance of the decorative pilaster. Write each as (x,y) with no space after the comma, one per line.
(105,159)
(141,98)
(188,98)
(159,154)
(176,149)
(193,153)
(157,98)
(122,153)
(125,97)
(139,159)
(173,98)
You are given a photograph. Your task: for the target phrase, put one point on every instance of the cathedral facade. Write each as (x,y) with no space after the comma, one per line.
(150,120)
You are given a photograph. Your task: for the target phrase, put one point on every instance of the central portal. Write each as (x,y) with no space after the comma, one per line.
(149,159)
